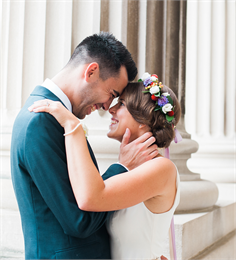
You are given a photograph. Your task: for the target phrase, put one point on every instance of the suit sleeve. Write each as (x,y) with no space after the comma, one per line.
(45,159)
(113,170)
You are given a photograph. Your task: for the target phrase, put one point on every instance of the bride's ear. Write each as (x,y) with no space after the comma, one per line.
(91,73)
(144,128)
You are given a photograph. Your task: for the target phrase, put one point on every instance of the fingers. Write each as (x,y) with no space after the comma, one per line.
(163,258)
(39,105)
(145,140)
(149,152)
(44,105)
(126,137)
(144,137)
(149,141)
(153,154)
(148,149)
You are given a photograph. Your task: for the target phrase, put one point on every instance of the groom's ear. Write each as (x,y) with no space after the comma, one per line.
(91,73)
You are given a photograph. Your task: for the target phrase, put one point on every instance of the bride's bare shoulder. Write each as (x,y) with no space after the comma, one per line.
(162,162)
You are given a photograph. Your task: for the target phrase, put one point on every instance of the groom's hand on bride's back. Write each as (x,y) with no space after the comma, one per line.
(138,151)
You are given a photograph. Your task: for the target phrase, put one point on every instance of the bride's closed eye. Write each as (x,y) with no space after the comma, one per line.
(121,102)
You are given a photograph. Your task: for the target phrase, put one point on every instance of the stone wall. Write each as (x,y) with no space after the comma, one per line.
(38,37)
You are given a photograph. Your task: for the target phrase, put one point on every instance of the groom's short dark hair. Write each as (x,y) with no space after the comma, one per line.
(108,52)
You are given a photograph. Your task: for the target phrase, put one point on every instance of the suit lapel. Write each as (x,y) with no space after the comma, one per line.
(45,93)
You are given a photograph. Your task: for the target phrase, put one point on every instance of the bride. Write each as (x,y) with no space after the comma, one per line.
(144,199)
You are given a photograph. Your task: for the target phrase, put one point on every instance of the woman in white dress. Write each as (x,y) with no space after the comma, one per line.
(144,198)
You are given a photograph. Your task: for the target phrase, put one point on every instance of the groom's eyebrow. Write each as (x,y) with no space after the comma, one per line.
(117,94)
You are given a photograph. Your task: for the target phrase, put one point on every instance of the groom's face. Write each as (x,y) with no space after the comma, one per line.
(101,93)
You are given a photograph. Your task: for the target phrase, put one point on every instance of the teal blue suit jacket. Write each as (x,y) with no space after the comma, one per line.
(53,225)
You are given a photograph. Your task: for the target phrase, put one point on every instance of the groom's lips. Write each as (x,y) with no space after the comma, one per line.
(94,107)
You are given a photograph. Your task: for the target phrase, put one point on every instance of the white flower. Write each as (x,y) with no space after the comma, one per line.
(166,94)
(154,90)
(167,108)
(145,76)
(153,78)
(85,130)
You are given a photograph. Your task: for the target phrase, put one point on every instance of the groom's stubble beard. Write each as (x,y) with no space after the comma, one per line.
(79,112)
(86,101)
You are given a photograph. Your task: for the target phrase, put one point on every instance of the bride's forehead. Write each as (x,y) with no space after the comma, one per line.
(122,96)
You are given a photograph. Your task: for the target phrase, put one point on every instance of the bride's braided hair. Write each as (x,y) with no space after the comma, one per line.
(141,107)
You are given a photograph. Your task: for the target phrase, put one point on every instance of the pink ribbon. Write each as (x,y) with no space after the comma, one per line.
(167,153)
(177,139)
(172,229)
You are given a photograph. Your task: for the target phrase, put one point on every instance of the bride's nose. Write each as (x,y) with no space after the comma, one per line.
(113,109)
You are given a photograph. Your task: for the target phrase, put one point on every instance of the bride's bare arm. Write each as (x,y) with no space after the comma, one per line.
(150,179)
(121,191)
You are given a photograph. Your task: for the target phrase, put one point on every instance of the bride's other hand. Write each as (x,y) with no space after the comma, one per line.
(135,153)
(65,118)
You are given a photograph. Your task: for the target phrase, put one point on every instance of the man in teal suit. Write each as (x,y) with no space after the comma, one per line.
(53,225)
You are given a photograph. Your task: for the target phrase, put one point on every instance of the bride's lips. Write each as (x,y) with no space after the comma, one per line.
(113,121)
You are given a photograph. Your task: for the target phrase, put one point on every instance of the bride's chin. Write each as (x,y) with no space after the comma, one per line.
(112,135)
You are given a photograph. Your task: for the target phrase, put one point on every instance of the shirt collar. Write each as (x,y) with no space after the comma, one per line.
(50,85)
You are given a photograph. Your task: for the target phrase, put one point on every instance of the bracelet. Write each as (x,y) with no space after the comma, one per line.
(65,134)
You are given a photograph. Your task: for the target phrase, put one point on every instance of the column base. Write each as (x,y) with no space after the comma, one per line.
(202,235)
(197,196)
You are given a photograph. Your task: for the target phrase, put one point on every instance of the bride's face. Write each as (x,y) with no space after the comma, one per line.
(122,119)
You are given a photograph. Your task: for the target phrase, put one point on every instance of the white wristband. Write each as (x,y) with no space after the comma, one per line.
(65,134)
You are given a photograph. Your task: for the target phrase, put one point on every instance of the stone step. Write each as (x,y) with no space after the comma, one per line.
(201,235)
(12,242)
(197,231)
(224,249)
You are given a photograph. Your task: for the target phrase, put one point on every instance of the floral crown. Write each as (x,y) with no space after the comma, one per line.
(164,102)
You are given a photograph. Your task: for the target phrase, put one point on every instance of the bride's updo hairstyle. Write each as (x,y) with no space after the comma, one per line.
(141,107)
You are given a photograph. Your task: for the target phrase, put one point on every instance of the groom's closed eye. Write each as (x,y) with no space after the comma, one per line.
(115,94)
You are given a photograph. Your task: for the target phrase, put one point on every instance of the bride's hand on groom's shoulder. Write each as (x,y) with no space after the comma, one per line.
(138,151)
(55,108)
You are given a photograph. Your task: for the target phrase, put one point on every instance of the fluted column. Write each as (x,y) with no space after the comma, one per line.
(154,32)
(156,36)
(38,37)
(210,88)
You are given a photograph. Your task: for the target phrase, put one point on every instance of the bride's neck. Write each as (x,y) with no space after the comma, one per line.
(139,133)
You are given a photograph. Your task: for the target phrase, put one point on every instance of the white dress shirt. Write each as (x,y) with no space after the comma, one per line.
(50,85)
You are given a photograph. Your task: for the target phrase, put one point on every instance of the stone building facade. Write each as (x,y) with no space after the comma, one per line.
(189,44)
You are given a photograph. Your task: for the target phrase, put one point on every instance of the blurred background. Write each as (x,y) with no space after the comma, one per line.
(190,45)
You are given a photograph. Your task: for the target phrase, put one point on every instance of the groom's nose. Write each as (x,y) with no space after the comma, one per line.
(107,104)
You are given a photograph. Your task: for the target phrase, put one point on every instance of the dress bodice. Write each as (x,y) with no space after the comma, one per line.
(137,233)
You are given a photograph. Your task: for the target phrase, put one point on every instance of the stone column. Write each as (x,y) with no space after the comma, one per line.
(37,38)
(155,34)
(32,49)
(210,88)
(165,55)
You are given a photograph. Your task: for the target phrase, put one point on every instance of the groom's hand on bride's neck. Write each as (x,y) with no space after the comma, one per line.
(138,151)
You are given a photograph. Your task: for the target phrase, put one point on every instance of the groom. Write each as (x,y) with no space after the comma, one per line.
(53,225)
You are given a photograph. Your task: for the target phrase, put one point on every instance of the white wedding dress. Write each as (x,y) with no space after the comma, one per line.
(137,233)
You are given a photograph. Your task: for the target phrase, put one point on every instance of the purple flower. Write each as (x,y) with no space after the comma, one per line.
(147,82)
(162,101)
